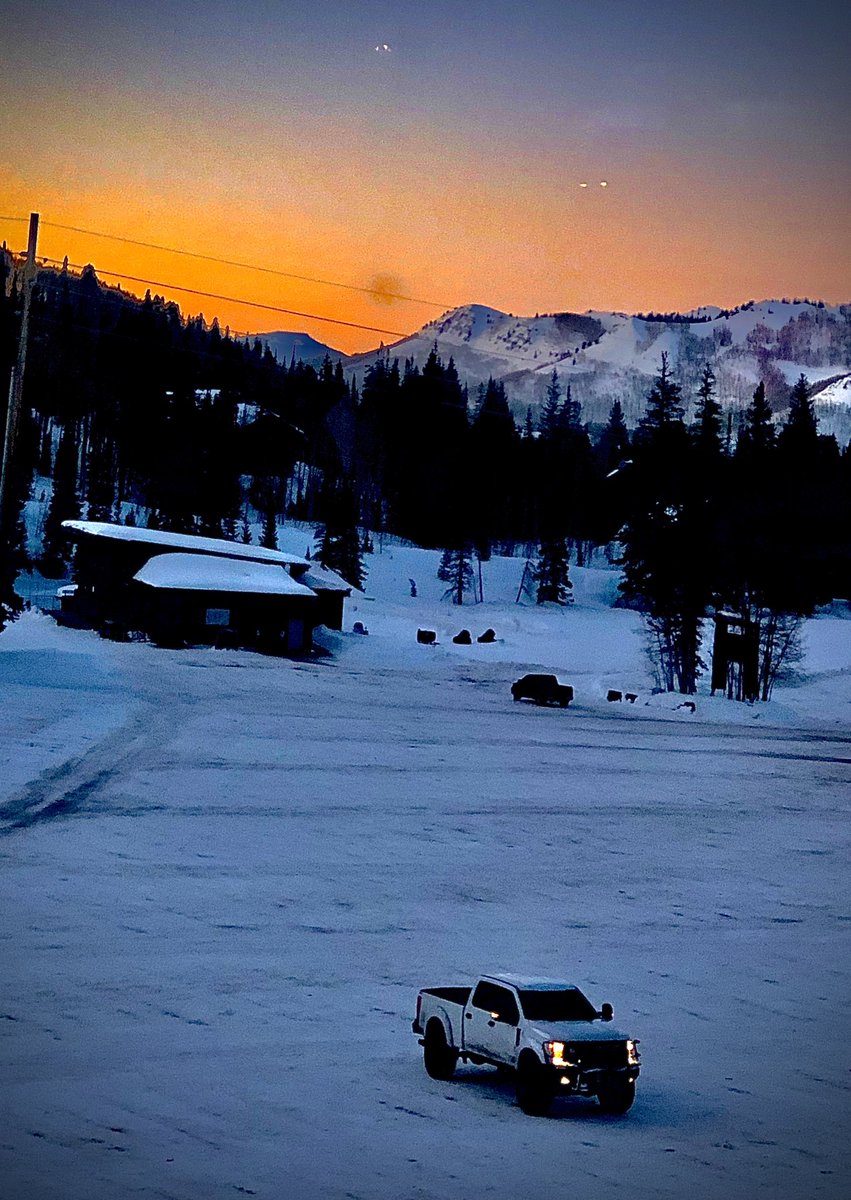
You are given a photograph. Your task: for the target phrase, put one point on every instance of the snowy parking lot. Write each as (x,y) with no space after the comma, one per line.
(224,878)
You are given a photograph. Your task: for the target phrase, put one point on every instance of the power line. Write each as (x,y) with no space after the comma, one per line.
(227,262)
(290,312)
(507,354)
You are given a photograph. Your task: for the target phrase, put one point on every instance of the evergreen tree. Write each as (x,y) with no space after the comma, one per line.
(339,546)
(64,506)
(664,407)
(613,463)
(267,495)
(666,573)
(614,444)
(13,556)
(570,414)
(551,411)
(757,436)
(456,569)
(707,429)
(798,438)
(100,477)
(493,443)
(551,572)
(269,533)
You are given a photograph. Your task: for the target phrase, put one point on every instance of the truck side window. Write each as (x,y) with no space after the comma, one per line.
(497,1001)
(507,1008)
(485,996)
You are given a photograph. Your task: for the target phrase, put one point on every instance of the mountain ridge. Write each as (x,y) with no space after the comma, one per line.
(612,355)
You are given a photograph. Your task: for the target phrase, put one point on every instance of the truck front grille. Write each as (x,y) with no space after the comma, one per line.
(589,1055)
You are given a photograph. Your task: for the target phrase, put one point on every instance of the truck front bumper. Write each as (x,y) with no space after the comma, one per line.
(587,1081)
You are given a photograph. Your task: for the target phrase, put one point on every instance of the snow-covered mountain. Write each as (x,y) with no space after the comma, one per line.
(283,345)
(606,355)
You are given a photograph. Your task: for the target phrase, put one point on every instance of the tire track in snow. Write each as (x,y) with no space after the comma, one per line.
(66,789)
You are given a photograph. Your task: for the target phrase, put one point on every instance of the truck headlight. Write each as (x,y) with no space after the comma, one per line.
(555,1053)
(633,1058)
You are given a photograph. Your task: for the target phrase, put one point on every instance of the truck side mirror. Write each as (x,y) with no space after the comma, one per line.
(606,1012)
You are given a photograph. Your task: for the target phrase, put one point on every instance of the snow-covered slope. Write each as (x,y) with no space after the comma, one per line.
(606,355)
(836,391)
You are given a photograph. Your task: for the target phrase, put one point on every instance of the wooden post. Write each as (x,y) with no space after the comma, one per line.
(16,381)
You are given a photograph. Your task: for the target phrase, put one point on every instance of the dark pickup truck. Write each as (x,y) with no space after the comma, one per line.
(542,689)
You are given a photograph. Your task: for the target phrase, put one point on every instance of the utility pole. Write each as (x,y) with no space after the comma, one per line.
(16,381)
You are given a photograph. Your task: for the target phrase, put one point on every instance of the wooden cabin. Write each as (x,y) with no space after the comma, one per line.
(179,589)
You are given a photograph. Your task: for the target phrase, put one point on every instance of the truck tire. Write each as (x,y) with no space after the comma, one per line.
(534,1088)
(439,1059)
(617,1098)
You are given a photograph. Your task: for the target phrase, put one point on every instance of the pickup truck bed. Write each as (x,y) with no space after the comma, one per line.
(455,995)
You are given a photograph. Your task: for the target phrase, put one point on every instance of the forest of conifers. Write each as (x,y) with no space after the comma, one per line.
(136,413)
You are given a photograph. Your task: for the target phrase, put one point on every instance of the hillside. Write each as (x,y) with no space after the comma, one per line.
(305,348)
(606,355)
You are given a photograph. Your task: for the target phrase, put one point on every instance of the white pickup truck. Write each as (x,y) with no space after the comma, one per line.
(547,1032)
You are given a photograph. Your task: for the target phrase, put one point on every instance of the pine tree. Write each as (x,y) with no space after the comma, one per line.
(707,427)
(798,438)
(551,411)
(665,569)
(614,445)
(269,534)
(64,506)
(13,556)
(757,436)
(664,405)
(570,414)
(551,572)
(339,546)
(493,442)
(456,569)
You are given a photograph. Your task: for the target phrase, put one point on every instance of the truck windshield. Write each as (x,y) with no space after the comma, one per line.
(567,1004)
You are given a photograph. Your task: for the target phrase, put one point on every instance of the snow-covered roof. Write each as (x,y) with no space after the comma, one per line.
(210,573)
(183,541)
(321,579)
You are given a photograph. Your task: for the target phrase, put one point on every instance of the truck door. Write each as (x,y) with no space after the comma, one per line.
(490,1022)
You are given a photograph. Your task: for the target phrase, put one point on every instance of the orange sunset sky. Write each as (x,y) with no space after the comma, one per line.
(445,168)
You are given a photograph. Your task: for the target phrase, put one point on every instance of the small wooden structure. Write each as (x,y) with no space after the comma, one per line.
(182,588)
(735,657)
(200,599)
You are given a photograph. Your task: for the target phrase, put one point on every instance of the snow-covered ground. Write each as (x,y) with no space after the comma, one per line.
(224,877)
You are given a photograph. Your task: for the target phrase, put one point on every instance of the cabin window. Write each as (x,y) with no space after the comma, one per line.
(217,616)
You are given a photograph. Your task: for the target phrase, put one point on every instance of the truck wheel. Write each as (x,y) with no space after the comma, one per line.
(617,1098)
(439,1059)
(534,1089)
